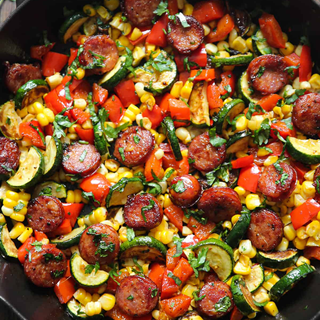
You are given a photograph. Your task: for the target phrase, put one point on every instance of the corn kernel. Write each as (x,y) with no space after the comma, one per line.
(252,201)
(270,160)
(25,235)
(54,80)
(89,10)
(107,301)
(49,114)
(42,119)
(167,201)
(289,232)
(227,225)
(302,260)
(12,195)
(315,81)
(283,245)
(235,218)
(17,230)
(188,9)
(111,4)
(249,44)
(271,309)
(299,244)
(2,219)
(302,233)
(241,123)
(239,268)
(240,44)
(186,90)
(211,48)
(232,36)
(176,89)
(289,48)
(188,290)
(313,228)
(38,107)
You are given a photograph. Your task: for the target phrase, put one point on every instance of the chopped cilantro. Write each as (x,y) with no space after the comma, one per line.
(179,187)
(130,234)
(83,155)
(200,263)
(90,267)
(215,140)
(253,108)
(146,208)
(223,304)
(175,278)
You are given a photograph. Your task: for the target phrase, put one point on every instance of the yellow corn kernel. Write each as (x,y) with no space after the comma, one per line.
(7,202)
(12,195)
(227,225)
(30,109)
(72,129)
(136,34)
(252,201)
(206,29)
(155,314)
(111,4)
(127,27)
(89,10)
(278,111)
(80,295)
(49,114)
(112,165)
(125,42)
(298,200)
(134,109)
(240,44)
(301,233)
(249,44)
(246,248)
(77,196)
(188,289)
(176,89)
(271,308)
(25,235)
(235,218)
(112,177)
(70,196)
(270,160)
(312,242)
(211,48)
(289,232)
(239,268)
(54,80)
(2,219)
(167,201)
(308,190)
(240,191)
(288,49)
(22,112)
(17,230)
(107,301)
(222,45)
(93,308)
(38,107)
(87,124)
(72,136)
(80,103)
(315,81)
(24,196)
(185,152)
(148,99)
(241,123)
(283,209)
(42,119)
(252,315)
(188,9)
(302,260)
(214,236)
(186,90)
(313,228)
(271,282)
(95,297)
(299,244)
(138,54)
(81,222)
(103,13)
(125,175)
(283,245)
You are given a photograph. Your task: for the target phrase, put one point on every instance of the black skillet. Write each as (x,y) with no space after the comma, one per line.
(22,30)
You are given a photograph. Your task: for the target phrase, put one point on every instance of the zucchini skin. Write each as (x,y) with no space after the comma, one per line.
(237,60)
(68,23)
(170,132)
(64,244)
(271,261)
(58,158)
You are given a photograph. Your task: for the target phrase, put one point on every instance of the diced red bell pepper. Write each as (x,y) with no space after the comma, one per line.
(164,105)
(207,75)
(242,162)
(171,261)
(213,94)
(145,32)
(64,228)
(206,11)
(39,235)
(154,115)
(100,95)
(48,129)
(169,286)
(116,314)
(269,102)
(175,216)
(53,62)
(198,56)
(182,166)
(72,211)
(227,79)
(37,52)
(68,272)
(56,100)
(82,90)
(304,213)
(85,134)
(65,289)
(224,27)
(176,306)
(158,36)
(189,240)
(125,90)
(283,130)
(73,55)
(312,253)
(300,169)
(112,284)
(25,248)
(183,270)
(180,112)
(98,184)
(173,7)
(26,130)
(271,30)
(292,60)
(153,165)
(115,109)
(80,115)
(156,273)
(249,177)
(201,231)
(305,69)
(236,314)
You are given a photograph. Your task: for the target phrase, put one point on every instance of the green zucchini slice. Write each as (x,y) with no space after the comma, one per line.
(238,142)
(9,121)
(93,279)
(260,45)
(29,172)
(278,260)
(71,26)
(255,279)
(237,60)
(144,247)
(52,155)
(50,188)
(70,239)
(244,90)
(170,131)
(3,189)
(7,246)
(100,142)
(76,310)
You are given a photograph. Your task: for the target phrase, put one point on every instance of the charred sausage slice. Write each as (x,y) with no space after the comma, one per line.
(134,146)
(206,157)
(45,213)
(219,203)
(142,211)
(137,296)
(185,39)
(45,267)
(81,159)
(265,230)
(99,243)
(9,156)
(306,114)
(267,73)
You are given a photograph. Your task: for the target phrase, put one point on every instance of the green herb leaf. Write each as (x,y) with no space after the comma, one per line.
(200,263)
(178,242)
(18,207)
(46,192)
(136,139)
(83,155)
(121,151)
(261,135)
(37,245)
(130,234)
(215,140)
(146,208)
(196,297)
(253,108)
(183,20)
(223,304)
(162,8)
(260,72)
(179,187)
(175,278)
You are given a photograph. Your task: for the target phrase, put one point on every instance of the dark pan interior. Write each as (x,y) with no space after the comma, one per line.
(22,30)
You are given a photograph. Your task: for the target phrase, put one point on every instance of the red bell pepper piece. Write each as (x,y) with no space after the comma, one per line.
(206,11)
(26,130)
(145,32)
(153,165)
(39,235)
(189,240)
(65,289)
(271,30)
(125,90)
(116,314)
(312,253)
(85,134)
(224,27)
(179,111)
(73,55)
(73,83)
(56,100)
(242,162)
(182,166)
(304,213)
(183,270)
(283,130)
(213,94)
(249,177)
(292,60)
(176,306)
(48,129)
(300,169)
(184,76)
(236,314)
(227,79)
(64,228)
(198,56)
(80,115)
(207,75)
(98,184)
(175,215)
(115,109)
(37,52)
(305,69)
(82,90)
(154,115)
(53,62)
(169,286)
(156,273)
(173,7)
(269,102)
(25,248)
(164,104)
(201,231)
(72,211)
(158,36)
(112,285)
(171,261)
(100,95)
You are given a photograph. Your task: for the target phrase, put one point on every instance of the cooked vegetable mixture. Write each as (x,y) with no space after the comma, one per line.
(167,165)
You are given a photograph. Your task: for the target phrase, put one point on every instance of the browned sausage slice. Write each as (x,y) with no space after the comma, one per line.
(18,74)
(212,293)
(9,156)
(265,230)
(267,73)
(140,12)
(185,191)
(45,267)
(206,157)
(81,159)
(306,114)
(142,211)
(99,243)
(134,146)
(278,181)
(185,39)
(45,213)
(219,203)
(99,50)
(137,296)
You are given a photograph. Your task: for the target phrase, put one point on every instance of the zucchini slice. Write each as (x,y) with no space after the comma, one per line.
(260,45)
(119,72)
(71,26)
(9,121)
(305,151)
(238,230)
(3,189)
(242,296)
(170,131)
(100,141)
(119,192)
(255,279)
(70,239)
(77,269)
(199,106)
(220,256)
(30,92)
(90,27)
(229,110)
(30,171)
(76,310)
(244,91)
(288,281)
(144,247)
(50,188)
(7,246)
(278,260)
(238,142)
(52,155)
(237,60)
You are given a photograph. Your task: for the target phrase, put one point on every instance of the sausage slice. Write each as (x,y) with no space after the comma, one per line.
(9,156)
